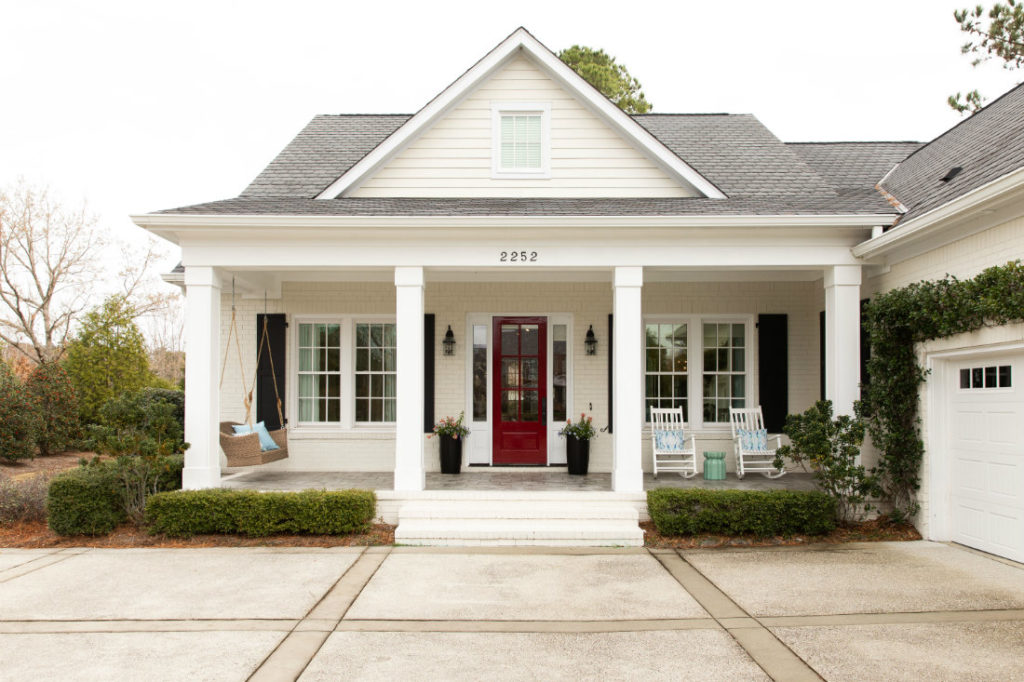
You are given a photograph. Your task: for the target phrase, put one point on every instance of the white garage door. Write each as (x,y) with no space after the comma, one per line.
(986,442)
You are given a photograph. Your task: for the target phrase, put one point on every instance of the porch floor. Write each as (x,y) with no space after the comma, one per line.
(556,480)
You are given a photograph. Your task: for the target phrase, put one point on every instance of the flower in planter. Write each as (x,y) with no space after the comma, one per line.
(449,426)
(581,430)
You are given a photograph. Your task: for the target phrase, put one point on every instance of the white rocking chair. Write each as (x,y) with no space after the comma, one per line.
(750,440)
(669,443)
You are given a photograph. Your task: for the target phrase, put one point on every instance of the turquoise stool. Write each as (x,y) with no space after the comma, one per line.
(714,466)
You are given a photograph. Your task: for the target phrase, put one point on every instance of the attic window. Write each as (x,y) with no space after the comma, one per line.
(521,144)
(953,172)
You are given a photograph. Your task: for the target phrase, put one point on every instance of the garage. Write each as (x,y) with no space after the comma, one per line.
(985,450)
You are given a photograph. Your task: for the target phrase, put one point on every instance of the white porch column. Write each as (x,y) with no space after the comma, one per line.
(409,472)
(202,404)
(842,337)
(627,372)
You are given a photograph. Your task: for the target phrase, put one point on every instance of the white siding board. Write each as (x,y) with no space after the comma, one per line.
(588,159)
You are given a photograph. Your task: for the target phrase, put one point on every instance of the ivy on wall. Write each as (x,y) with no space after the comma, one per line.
(896,321)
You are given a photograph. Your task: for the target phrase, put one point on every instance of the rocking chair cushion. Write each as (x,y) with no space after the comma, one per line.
(753,440)
(266,442)
(669,440)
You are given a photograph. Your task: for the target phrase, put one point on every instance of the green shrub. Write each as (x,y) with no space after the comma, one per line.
(246,512)
(94,498)
(19,418)
(831,448)
(764,513)
(57,402)
(23,500)
(85,501)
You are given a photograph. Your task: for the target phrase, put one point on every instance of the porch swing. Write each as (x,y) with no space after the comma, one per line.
(245,449)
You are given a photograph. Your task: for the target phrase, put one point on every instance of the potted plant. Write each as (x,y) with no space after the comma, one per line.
(577,443)
(452,433)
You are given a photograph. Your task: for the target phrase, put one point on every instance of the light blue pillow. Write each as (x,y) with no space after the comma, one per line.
(669,440)
(266,442)
(753,440)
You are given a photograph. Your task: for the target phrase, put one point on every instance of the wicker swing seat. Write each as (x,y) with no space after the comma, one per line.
(244,450)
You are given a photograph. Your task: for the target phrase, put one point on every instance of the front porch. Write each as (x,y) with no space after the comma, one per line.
(549,480)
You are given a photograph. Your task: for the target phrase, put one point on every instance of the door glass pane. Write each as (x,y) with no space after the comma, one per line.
(479,373)
(509,406)
(510,373)
(510,339)
(530,407)
(530,336)
(530,369)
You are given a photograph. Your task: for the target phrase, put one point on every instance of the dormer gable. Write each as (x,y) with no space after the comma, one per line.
(520,123)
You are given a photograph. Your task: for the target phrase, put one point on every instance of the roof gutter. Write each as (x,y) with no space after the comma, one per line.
(940,221)
(164,221)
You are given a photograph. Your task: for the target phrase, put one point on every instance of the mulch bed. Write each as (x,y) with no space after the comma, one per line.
(51,464)
(877,530)
(38,535)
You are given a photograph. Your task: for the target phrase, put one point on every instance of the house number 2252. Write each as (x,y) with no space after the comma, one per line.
(518,257)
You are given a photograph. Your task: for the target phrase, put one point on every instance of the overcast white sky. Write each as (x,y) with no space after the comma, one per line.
(138,106)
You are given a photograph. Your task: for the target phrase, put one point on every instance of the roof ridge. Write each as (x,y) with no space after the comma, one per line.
(859,142)
(963,121)
(692,113)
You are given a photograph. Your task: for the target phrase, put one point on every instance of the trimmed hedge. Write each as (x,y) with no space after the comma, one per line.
(247,512)
(85,501)
(90,500)
(764,513)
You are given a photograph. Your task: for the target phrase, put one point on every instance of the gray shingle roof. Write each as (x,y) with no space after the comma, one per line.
(321,152)
(987,146)
(737,153)
(383,207)
(759,174)
(853,166)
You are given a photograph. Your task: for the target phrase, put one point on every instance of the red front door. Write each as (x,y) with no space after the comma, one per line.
(520,390)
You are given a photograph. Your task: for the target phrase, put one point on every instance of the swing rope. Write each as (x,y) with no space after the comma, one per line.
(247,398)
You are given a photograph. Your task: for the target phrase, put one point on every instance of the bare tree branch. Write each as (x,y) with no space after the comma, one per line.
(48,267)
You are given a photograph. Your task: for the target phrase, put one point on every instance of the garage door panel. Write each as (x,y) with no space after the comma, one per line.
(985,447)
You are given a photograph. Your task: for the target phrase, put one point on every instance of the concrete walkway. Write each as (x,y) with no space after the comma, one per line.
(854,612)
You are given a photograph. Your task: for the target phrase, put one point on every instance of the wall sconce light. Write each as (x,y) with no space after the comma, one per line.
(591,342)
(449,342)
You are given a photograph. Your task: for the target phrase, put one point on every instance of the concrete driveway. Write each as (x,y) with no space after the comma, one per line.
(852,612)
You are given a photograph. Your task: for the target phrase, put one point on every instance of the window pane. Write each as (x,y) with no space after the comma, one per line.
(376,335)
(990,377)
(653,362)
(509,406)
(305,335)
(510,339)
(738,386)
(362,335)
(479,373)
(307,386)
(738,336)
(965,378)
(389,386)
(530,371)
(977,378)
(376,410)
(1005,376)
(362,410)
(334,410)
(334,335)
(305,360)
(558,372)
(389,409)
(738,360)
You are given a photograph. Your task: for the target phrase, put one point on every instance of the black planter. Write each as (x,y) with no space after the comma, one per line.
(451,455)
(577,452)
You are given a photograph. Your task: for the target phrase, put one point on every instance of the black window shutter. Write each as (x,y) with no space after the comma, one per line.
(266,401)
(428,373)
(821,353)
(773,370)
(611,373)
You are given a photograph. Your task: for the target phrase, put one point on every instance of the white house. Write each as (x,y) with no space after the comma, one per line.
(715,266)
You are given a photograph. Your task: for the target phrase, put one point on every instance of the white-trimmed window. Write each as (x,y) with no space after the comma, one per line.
(665,361)
(724,381)
(345,371)
(522,141)
(320,373)
(375,372)
(699,363)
